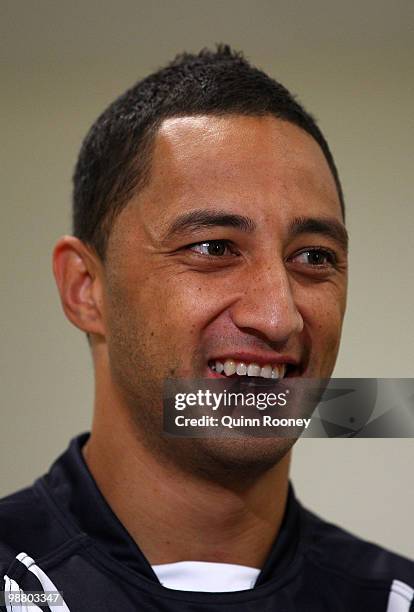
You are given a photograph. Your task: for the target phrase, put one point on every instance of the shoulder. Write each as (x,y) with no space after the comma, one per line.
(27,524)
(340,552)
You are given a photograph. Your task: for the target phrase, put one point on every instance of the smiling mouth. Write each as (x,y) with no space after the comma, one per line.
(232,368)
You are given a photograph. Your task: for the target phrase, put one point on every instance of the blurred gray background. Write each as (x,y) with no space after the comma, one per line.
(351,64)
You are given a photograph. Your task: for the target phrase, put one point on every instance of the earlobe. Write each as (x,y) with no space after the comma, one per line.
(76,270)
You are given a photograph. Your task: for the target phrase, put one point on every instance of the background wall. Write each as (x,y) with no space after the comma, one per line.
(351,65)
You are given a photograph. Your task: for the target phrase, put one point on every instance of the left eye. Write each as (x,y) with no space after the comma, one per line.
(212,248)
(315,257)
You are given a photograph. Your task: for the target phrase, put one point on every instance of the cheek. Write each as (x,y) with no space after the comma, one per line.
(322,312)
(182,301)
(161,321)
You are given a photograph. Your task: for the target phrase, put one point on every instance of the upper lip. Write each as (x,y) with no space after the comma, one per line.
(261,359)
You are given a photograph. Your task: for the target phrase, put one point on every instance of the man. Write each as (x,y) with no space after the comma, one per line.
(209,241)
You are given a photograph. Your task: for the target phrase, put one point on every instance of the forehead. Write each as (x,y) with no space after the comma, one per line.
(259,167)
(250,160)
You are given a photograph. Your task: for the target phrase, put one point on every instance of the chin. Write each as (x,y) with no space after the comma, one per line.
(227,459)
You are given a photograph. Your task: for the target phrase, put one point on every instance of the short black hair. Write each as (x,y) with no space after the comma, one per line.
(115,157)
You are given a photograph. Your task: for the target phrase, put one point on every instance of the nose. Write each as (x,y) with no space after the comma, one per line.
(267,305)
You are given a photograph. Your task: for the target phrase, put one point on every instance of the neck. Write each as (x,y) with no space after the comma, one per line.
(175,515)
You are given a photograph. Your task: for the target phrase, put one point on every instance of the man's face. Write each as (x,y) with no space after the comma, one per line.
(232,252)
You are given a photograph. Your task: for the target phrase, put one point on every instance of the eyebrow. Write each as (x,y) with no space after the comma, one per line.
(315,225)
(200,219)
(205,218)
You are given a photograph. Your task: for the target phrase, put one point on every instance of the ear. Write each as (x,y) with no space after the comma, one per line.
(78,273)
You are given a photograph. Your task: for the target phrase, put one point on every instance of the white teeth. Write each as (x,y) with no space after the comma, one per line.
(279,371)
(229,367)
(253,369)
(275,372)
(266,371)
(241,369)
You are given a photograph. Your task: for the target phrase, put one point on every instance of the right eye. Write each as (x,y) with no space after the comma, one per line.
(212,248)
